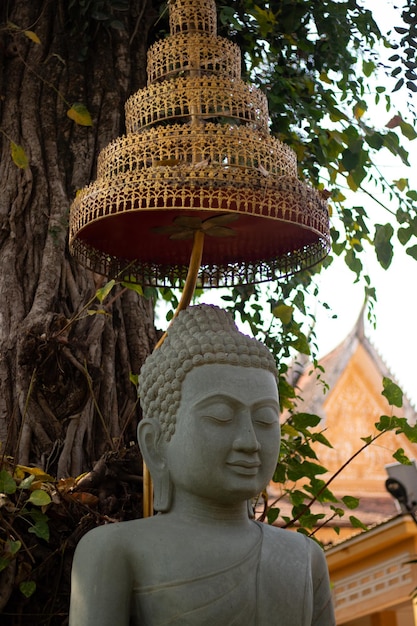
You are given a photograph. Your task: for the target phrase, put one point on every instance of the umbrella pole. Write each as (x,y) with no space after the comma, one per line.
(186,295)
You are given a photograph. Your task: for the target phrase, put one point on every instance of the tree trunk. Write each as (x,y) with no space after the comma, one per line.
(65,391)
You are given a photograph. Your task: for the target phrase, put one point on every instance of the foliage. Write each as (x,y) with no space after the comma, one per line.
(320,64)
(406,57)
(87,16)
(41,521)
(25,497)
(77,112)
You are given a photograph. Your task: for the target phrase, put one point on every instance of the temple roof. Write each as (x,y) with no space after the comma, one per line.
(349,401)
(335,364)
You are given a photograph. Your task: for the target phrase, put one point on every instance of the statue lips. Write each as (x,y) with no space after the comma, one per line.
(243,466)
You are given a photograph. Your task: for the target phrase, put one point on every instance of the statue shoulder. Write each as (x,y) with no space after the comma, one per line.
(294,579)
(295,545)
(117,540)
(276,534)
(102,555)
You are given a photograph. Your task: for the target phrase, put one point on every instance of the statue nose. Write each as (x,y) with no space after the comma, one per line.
(246,438)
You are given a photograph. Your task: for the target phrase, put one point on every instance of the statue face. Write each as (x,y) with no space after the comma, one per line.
(226,441)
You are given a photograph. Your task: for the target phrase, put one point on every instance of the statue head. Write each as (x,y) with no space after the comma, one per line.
(200,335)
(200,338)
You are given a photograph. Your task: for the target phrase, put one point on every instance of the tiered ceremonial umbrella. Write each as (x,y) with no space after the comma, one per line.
(197,191)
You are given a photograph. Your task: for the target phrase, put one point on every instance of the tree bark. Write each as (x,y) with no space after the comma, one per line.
(65,391)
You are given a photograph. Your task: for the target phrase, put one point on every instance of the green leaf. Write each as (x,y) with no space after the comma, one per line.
(318,489)
(359,109)
(412,251)
(408,131)
(322,439)
(265,19)
(287,429)
(401,183)
(117,25)
(98,312)
(409,431)
(383,246)
(4,562)
(310,520)
(134,379)
(18,155)
(305,469)
(283,312)
(387,422)
(400,456)
(80,114)
(368,67)
(353,262)
(404,235)
(375,140)
(305,420)
(350,159)
(356,523)
(99,15)
(103,292)
(39,497)
(279,474)
(7,482)
(350,502)
(339,512)
(152,293)
(133,287)
(392,392)
(301,344)
(398,84)
(272,515)
(14,546)
(28,588)
(286,392)
(40,527)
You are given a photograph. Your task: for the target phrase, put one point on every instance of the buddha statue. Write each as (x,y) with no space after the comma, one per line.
(210,436)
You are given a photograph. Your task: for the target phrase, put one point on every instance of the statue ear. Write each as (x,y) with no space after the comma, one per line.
(153,455)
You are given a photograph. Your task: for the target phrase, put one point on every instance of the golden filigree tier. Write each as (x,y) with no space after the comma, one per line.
(236,154)
(183,53)
(191,15)
(130,227)
(173,274)
(188,99)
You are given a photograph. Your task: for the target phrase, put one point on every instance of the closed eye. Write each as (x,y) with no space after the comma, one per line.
(218,411)
(265,416)
(219,418)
